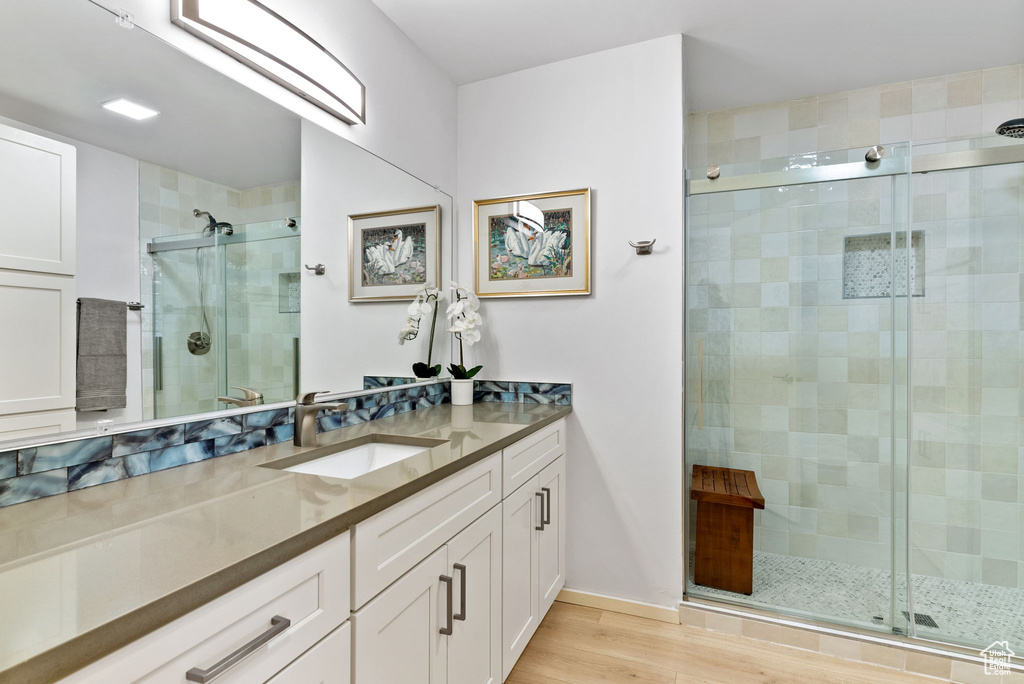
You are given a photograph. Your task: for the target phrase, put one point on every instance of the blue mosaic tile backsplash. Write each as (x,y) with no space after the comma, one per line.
(35,472)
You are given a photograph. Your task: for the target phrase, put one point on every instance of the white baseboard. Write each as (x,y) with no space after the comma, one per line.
(620,605)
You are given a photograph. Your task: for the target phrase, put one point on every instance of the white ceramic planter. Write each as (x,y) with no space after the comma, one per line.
(462,392)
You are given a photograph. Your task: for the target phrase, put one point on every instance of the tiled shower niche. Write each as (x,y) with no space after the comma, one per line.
(869,262)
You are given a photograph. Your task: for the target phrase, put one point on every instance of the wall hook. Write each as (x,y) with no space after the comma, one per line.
(642,247)
(319,269)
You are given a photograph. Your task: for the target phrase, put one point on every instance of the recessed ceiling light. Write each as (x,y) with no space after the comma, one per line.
(130,109)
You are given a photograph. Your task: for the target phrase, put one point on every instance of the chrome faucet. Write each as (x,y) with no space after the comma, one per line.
(305,417)
(252,397)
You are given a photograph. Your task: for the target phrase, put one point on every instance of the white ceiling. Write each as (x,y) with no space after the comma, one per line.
(738,52)
(62,58)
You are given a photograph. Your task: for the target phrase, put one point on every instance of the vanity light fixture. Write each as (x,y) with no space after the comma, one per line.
(528,214)
(132,110)
(265,41)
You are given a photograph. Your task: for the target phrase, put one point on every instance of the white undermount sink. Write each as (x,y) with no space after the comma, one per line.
(357,461)
(355,457)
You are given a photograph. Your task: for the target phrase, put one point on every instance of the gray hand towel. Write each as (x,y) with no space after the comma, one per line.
(102,354)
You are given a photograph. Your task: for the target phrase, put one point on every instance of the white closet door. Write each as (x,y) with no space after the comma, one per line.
(37,193)
(37,348)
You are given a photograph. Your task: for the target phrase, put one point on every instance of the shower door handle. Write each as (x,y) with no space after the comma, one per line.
(700,383)
(158,363)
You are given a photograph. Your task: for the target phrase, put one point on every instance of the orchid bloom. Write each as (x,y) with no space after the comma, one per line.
(419,307)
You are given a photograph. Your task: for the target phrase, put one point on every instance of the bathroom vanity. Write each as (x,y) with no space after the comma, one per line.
(434,568)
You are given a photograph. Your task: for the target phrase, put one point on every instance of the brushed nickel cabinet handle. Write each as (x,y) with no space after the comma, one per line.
(278,625)
(461,569)
(447,631)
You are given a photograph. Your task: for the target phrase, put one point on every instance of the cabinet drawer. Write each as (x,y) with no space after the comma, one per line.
(528,456)
(329,662)
(390,543)
(311,591)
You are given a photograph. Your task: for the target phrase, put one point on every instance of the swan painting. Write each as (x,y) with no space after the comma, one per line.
(390,260)
(533,245)
(522,248)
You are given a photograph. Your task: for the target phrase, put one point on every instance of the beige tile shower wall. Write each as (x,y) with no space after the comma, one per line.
(167,198)
(796,381)
(956,106)
(795,378)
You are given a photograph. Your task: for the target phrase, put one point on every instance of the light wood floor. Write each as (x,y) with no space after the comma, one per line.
(577,645)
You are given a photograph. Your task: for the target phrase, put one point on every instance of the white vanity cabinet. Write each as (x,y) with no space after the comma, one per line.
(445,586)
(465,612)
(533,548)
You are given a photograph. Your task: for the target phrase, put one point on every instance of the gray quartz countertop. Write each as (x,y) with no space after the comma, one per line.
(85,573)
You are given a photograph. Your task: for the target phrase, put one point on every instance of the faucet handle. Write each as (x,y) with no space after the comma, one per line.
(306,398)
(249,393)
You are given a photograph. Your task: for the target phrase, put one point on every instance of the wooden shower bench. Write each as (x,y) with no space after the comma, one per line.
(726,499)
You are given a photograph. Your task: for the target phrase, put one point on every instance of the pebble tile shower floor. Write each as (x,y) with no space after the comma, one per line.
(965,612)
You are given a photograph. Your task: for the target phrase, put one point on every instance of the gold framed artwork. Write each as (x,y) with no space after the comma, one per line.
(392,254)
(532,245)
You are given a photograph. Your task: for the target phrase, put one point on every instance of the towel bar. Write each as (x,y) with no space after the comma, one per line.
(133,306)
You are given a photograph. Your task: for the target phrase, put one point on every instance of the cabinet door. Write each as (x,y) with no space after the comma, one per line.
(37,350)
(329,662)
(520,607)
(397,634)
(474,648)
(37,192)
(551,545)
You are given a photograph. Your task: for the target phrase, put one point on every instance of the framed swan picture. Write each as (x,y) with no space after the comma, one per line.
(392,254)
(533,245)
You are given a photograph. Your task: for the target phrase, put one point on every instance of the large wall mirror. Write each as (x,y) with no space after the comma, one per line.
(206,215)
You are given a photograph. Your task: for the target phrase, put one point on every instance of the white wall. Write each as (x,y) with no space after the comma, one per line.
(107,244)
(343,340)
(108,255)
(612,121)
(411,104)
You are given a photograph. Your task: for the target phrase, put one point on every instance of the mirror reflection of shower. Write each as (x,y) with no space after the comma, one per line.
(200,341)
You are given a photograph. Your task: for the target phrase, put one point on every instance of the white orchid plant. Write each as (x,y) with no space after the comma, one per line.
(464,320)
(427,301)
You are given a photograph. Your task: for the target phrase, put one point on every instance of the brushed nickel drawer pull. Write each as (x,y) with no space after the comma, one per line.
(461,569)
(449,628)
(547,505)
(278,625)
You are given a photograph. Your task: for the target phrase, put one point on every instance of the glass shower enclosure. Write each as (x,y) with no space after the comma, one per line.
(225,316)
(854,338)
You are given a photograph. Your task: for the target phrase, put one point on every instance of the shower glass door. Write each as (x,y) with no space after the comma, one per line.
(797,319)
(967,346)
(262,309)
(241,291)
(188,306)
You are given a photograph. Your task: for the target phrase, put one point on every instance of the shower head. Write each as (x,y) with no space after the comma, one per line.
(1014,128)
(223,226)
